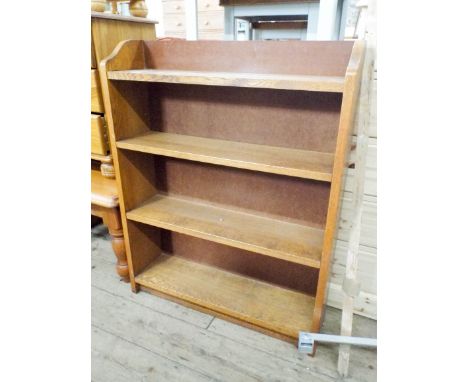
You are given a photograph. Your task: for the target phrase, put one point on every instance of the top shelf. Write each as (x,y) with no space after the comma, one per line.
(333,84)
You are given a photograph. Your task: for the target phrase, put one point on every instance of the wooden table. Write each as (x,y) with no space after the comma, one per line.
(107,30)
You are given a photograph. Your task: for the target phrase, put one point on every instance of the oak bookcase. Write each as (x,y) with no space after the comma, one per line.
(229,158)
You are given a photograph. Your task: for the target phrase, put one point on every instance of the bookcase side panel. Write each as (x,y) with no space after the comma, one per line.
(145,245)
(130,108)
(348,108)
(125,115)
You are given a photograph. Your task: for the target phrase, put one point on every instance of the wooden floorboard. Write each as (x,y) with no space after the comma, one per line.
(113,352)
(103,276)
(205,352)
(140,337)
(104,369)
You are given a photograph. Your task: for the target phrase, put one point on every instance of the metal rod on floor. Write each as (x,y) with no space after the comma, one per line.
(306,341)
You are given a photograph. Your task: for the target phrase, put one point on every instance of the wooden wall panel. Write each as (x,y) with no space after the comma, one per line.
(367,271)
(365,304)
(372,128)
(369,220)
(370,186)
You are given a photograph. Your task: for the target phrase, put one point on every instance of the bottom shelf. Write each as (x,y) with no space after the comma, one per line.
(277,309)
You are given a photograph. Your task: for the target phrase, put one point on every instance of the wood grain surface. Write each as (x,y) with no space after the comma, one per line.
(256,233)
(248,80)
(97,106)
(276,160)
(250,300)
(245,93)
(103,190)
(348,108)
(142,336)
(99,144)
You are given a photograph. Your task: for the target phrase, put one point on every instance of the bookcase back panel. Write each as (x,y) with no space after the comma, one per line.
(290,197)
(280,57)
(295,119)
(279,272)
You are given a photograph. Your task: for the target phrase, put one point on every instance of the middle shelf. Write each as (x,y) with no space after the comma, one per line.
(257,233)
(277,160)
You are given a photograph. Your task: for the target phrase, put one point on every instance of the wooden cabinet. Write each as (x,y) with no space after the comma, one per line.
(209,5)
(174,18)
(107,30)
(231,158)
(99,141)
(175,25)
(211,35)
(96,97)
(210,19)
(174,7)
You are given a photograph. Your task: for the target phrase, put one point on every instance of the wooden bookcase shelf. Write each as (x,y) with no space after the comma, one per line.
(275,160)
(260,234)
(229,158)
(247,80)
(230,294)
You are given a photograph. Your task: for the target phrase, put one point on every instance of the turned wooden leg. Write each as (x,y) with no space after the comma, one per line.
(112,220)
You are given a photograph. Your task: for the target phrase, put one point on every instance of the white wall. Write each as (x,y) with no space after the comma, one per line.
(155,12)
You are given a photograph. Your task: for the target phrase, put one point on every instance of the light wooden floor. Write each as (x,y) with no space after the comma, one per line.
(139,337)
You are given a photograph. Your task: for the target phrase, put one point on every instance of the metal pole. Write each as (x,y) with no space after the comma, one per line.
(306,341)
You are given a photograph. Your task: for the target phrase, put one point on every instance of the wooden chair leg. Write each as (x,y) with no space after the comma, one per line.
(112,220)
